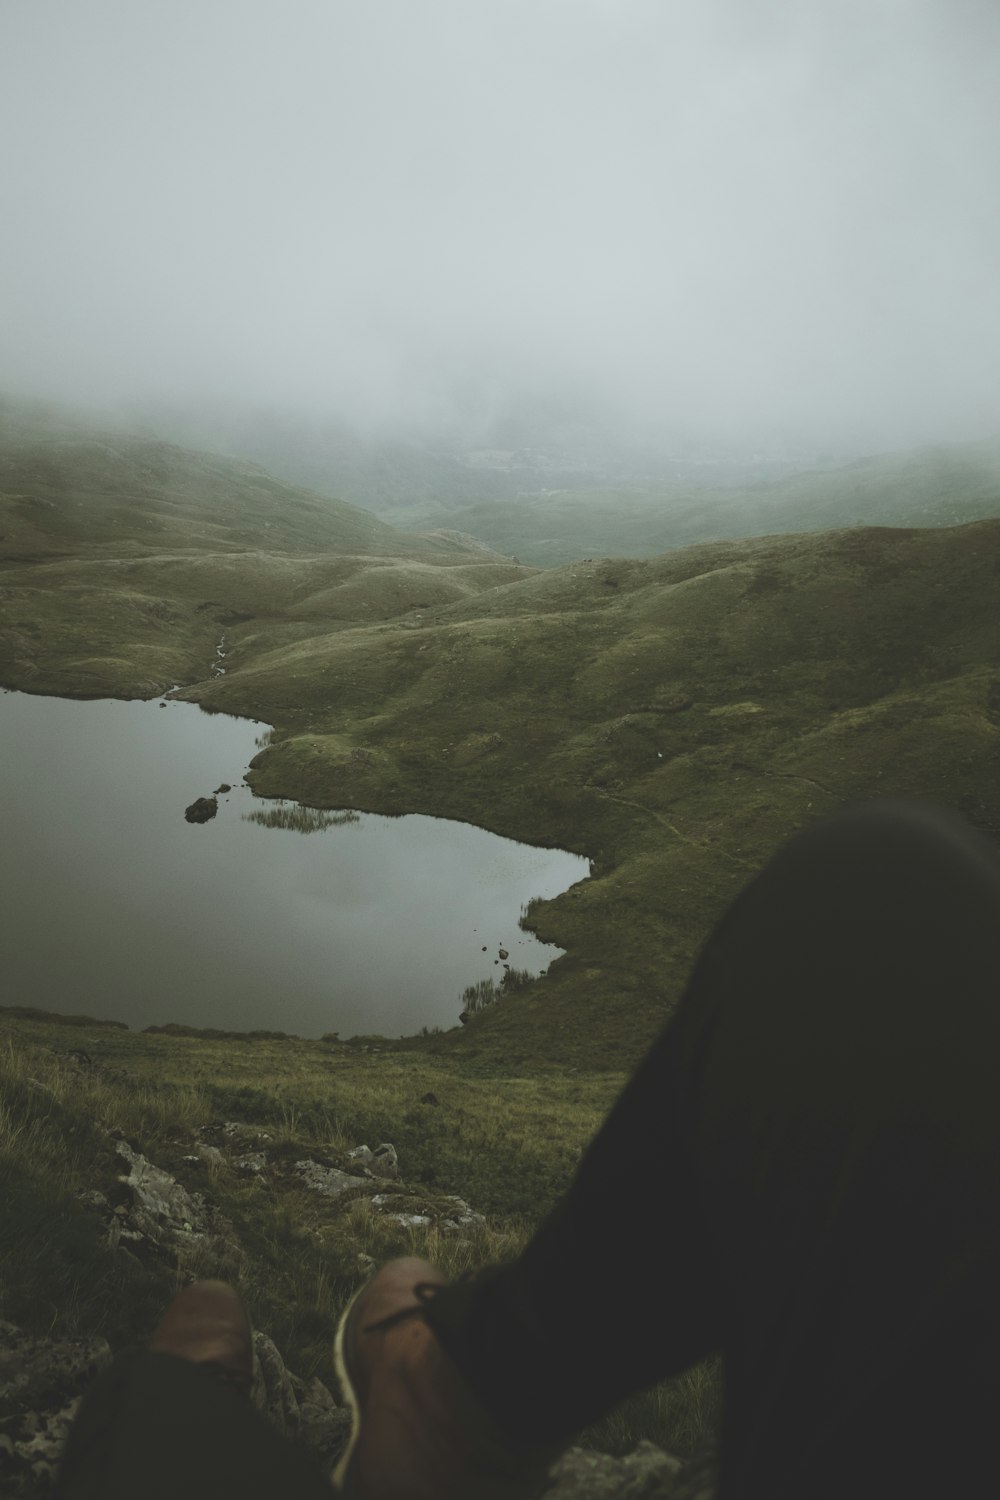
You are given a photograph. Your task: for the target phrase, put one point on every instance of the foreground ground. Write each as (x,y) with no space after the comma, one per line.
(72,1093)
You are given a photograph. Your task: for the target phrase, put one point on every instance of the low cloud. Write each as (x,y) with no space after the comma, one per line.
(744,221)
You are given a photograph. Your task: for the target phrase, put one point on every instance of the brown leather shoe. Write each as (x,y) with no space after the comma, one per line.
(418,1431)
(207,1324)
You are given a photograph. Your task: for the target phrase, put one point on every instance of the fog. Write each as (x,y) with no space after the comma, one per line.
(746,221)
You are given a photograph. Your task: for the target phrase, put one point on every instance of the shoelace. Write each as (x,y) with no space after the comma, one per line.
(424,1291)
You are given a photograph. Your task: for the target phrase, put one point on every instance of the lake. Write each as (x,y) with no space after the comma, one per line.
(115,906)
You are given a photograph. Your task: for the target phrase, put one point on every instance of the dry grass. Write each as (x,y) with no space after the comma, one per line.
(513,1142)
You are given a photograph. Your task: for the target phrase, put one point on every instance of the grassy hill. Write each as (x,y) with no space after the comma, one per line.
(70,489)
(123,558)
(676,719)
(930,487)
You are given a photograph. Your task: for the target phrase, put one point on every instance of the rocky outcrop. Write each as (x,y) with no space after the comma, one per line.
(330,1181)
(42,1380)
(382,1162)
(304,1410)
(645,1474)
(160,1219)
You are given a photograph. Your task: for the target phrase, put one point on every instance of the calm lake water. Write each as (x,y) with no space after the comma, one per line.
(113,905)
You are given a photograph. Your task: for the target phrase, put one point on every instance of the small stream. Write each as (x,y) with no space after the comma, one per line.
(218,666)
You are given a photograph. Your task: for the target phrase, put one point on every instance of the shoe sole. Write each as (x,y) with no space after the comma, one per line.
(339,1475)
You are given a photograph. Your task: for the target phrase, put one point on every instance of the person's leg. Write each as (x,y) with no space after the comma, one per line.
(175,1420)
(157,1427)
(802,1170)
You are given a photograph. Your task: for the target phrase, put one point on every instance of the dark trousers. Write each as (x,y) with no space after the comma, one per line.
(157,1427)
(802,1174)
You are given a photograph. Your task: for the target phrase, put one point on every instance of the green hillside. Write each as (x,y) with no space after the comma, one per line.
(123,558)
(67,489)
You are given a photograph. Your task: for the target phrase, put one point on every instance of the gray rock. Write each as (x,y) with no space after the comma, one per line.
(238,1130)
(394,1206)
(382,1162)
(163,1215)
(645,1474)
(462,1215)
(202,809)
(302,1410)
(330,1181)
(161,1207)
(252,1164)
(41,1381)
(92,1198)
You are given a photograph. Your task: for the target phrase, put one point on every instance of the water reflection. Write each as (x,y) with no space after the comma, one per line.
(300,819)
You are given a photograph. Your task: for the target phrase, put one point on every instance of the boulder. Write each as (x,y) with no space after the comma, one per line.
(163,1218)
(330,1181)
(201,809)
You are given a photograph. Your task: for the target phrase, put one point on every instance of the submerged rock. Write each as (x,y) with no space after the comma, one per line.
(202,809)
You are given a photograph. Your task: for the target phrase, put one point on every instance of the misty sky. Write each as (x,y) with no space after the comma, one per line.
(737,217)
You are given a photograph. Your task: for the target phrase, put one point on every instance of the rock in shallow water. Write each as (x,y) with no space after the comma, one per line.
(201,809)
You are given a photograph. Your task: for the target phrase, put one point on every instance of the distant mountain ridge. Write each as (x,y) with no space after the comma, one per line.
(65,486)
(937,486)
(525,452)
